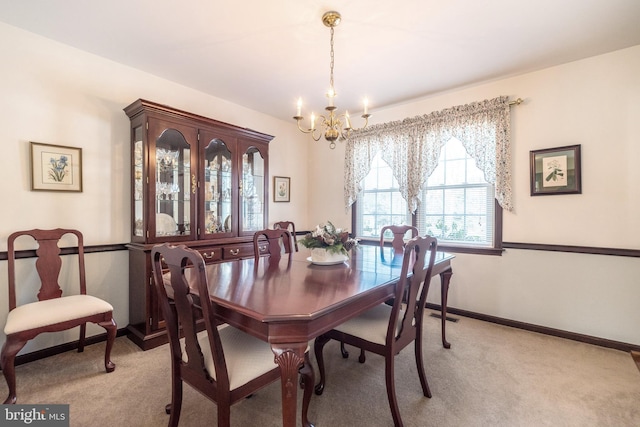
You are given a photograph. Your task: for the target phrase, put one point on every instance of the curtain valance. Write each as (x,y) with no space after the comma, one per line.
(411,147)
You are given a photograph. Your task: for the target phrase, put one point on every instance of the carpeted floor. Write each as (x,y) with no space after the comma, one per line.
(492,376)
(636,358)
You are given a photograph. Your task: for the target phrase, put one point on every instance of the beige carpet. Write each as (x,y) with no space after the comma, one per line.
(492,376)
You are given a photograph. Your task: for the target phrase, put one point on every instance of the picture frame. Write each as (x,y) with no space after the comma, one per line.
(55,167)
(281,189)
(556,171)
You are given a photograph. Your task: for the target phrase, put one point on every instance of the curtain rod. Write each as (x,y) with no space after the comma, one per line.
(518,101)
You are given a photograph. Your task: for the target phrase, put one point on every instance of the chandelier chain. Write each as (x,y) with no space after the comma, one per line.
(331,64)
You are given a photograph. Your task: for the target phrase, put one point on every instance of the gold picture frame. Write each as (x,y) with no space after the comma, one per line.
(55,167)
(281,189)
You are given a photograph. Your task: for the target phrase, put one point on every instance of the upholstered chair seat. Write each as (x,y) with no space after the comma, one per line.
(247,357)
(41,314)
(372,325)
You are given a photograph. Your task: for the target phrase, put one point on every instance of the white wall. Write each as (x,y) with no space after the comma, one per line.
(592,102)
(55,94)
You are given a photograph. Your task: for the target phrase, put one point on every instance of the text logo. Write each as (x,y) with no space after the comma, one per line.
(34,415)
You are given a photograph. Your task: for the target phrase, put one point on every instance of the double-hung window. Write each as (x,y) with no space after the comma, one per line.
(458,206)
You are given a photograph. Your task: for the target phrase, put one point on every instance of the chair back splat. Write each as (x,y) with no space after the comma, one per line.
(288,225)
(399,233)
(181,284)
(386,330)
(420,253)
(52,312)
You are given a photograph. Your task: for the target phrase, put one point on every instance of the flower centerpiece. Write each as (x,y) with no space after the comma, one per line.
(328,244)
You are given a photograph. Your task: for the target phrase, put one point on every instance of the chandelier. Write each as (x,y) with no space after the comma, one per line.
(332,126)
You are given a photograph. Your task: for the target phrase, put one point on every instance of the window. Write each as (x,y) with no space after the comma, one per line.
(458,206)
(380,202)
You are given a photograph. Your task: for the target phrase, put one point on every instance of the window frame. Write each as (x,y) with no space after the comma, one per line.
(497,248)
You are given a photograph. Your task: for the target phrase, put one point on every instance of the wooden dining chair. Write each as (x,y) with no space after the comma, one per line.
(222,363)
(286,225)
(399,233)
(272,243)
(386,330)
(51,312)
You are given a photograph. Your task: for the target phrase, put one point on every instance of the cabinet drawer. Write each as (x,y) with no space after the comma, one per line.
(263,248)
(211,254)
(237,251)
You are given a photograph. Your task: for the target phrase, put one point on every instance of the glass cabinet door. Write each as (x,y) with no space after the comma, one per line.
(252,190)
(172,181)
(173,174)
(218,188)
(138,183)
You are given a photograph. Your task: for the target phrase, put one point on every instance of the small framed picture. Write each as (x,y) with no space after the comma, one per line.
(556,171)
(281,189)
(55,168)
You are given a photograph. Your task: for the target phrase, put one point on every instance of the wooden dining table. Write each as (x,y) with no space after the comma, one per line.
(291,302)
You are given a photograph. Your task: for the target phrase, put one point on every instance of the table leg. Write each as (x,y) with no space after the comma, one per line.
(289,358)
(445,278)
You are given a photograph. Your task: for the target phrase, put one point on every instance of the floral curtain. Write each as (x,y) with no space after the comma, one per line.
(411,148)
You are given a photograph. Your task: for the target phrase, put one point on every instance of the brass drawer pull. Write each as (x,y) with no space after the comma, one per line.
(234,251)
(263,249)
(208,255)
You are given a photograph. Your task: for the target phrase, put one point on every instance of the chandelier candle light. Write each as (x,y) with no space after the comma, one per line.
(332,126)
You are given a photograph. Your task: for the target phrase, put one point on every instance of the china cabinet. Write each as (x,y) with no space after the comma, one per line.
(195,181)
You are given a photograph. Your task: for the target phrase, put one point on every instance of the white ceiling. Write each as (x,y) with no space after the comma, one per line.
(265,54)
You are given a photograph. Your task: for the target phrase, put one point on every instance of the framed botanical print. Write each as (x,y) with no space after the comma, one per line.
(281,189)
(55,167)
(556,171)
